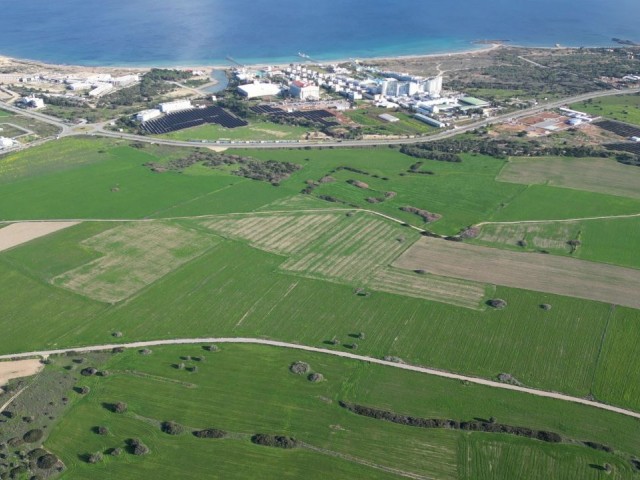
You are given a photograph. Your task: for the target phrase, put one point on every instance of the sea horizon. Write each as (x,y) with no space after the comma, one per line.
(144,33)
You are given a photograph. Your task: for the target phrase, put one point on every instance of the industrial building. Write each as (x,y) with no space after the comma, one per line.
(304,91)
(430,121)
(145,115)
(31,102)
(389,118)
(255,90)
(101,89)
(175,106)
(125,80)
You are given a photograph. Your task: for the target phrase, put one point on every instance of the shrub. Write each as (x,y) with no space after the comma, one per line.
(36,453)
(95,458)
(299,368)
(277,441)
(118,407)
(116,334)
(316,377)
(82,390)
(545,306)
(210,433)
(193,369)
(117,350)
(508,378)
(114,452)
(145,351)
(101,430)
(137,447)
(360,335)
(420,271)
(104,373)
(15,442)
(47,461)
(497,303)
(391,358)
(211,348)
(89,371)
(171,427)
(33,436)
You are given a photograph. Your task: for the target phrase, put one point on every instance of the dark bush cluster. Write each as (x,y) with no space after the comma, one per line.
(316,377)
(508,378)
(211,348)
(118,407)
(599,446)
(33,436)
(47,461)
(95,457)
(136,446)
(277,441)
(475,425)
(420,151)
(248,167)
(497,303)
(424,214)
(171,427)
(89,371)
(299,368)
(210,433)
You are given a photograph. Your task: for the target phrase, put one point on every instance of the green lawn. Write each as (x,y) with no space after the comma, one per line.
(254,131)
(231,391)
(4,113)
(625,108)
(372,124)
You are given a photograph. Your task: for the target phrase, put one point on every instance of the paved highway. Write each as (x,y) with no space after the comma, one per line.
(99,128)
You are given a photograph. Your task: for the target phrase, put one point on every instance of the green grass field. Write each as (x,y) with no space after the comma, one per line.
(4,113)
(11,131)
(606,240)
(263,396)
(235,290)
(625,108)
(590,174)
(254,131)
(371,124)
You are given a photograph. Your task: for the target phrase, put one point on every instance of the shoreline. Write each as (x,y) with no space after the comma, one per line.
(481,49)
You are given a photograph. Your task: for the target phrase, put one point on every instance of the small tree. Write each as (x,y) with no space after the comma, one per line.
(95,457)
(171,427)
(299,368)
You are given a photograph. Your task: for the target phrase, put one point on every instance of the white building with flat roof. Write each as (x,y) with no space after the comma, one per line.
(175,106)
(125,80)
(31,102)
(304,91)
(255,90)
(145,115)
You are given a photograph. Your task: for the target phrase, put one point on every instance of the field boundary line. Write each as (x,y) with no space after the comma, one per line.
(8,402)
(565,220)
(352,356)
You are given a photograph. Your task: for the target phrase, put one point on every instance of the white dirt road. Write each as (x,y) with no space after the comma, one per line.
(18,369)
(362,358)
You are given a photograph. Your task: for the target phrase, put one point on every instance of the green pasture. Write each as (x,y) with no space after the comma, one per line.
(236,290)
(245,389)
(253,131)
(4,113)
(605,240)
(372,124)
(625,108)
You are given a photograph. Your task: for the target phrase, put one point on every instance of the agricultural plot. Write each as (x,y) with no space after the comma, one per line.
(552,237)
(497,459)
(599,175)
(284,234)
(531,271)
(346,249)
(134,256)
(18,233)
(262,395)
(351,251)
(429,287)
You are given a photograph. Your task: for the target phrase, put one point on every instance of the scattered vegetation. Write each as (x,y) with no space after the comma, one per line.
(277,441)
(172,428)
(497,303)
(210,433)
(299,368)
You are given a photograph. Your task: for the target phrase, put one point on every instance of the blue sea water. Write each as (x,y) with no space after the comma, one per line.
(181,32)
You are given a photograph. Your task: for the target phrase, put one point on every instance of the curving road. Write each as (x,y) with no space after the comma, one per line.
(352,356)
(99,130)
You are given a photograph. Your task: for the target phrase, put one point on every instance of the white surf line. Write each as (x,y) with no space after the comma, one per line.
(565,220)
(306,348)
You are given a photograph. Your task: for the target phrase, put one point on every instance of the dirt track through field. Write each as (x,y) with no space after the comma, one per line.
(529,271)
(18,233)
(362,358)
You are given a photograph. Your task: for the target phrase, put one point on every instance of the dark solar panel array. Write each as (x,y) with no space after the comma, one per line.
(192,118)
(322,117)
(619,128)
(630,147)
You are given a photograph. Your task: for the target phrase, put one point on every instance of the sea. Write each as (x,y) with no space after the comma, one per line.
(212,32)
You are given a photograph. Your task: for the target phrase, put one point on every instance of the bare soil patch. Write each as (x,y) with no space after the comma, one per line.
(18,369)
(530,271)
(18,233)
